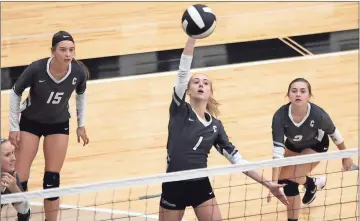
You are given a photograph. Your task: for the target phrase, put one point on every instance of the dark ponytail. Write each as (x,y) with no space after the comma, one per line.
(87,72)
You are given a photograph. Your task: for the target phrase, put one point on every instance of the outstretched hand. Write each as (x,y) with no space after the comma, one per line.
(347,163)
(278,192)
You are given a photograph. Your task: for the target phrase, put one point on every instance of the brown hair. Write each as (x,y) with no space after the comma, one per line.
(212,105)
(87,72)
(300,80)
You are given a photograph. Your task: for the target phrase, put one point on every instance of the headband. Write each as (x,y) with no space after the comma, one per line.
(61,36)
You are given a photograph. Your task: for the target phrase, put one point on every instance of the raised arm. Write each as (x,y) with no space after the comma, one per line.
(183,75)
(184,68)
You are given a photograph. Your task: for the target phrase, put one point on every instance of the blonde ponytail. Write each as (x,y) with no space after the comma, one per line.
(212,107)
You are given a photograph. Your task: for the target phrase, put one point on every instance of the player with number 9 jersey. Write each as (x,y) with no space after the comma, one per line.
(45,112)
(301,127)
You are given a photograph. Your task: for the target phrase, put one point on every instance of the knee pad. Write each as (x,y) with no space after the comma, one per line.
(291,188)
(51,180)
(24,186)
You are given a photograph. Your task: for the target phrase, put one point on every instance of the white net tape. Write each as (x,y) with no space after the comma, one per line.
(177,176)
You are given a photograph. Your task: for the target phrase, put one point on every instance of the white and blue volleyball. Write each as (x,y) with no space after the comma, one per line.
(198,21)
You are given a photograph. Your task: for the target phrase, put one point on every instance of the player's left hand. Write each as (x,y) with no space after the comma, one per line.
(81,132)
(347,163)
(278,192)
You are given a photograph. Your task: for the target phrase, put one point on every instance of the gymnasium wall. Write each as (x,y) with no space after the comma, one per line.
(205,56)
(143,44)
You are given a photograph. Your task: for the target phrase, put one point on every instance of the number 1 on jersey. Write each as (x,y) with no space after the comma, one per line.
(198,143)
(55,99)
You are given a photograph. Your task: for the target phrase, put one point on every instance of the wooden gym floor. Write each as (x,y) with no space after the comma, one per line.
(126,135)
(126,119)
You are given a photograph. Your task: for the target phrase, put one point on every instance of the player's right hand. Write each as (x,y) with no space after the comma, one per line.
(14,138)
(277,190)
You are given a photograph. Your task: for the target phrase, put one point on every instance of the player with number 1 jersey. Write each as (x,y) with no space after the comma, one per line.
(45,112)
(192,131)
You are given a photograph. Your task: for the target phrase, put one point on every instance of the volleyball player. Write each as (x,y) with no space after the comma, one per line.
(306,127)
(193,130)
(10,182)
(45,112)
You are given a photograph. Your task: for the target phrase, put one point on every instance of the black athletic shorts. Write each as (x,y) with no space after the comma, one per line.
(320,147)
(180,194)
(41,129)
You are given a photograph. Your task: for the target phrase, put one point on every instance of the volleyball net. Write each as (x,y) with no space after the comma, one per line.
(238,196)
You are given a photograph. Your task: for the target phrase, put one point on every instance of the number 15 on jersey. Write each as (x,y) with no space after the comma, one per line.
(55,99)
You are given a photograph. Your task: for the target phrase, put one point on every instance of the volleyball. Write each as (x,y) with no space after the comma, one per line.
(198,21)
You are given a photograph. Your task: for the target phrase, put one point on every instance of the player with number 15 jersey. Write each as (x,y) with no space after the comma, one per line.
(48,101)
(45,112)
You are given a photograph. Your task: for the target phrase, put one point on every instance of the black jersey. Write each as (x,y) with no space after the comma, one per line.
(48,98)
(191,138)
(310,131)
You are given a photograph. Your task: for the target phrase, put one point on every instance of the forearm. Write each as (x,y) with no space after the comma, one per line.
(15,189)
(258,178)
(14,111)
(275,174)
(183,76)
(338,140)
(189,47)
(341,146)
(80,109)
